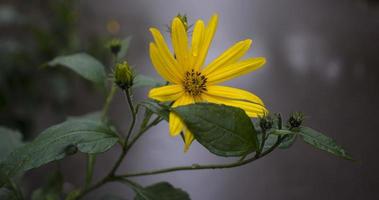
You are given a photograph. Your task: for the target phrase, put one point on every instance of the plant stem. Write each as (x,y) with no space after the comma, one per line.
(124,148)
(91,159)
(262,145)
(108,101)
(142,131)
(215,166)
(16,189)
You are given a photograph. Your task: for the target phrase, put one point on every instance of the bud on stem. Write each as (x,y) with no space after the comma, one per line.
(295,120)
(124,75)
(115,46)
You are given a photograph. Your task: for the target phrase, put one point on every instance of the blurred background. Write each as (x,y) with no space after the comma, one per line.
(322,60)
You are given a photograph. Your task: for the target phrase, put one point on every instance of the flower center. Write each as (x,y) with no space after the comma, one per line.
(194,83)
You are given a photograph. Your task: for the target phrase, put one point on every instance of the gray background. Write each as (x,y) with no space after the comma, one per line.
(322,59)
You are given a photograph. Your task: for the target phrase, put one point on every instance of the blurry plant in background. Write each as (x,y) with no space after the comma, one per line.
(224,130)
(36,38)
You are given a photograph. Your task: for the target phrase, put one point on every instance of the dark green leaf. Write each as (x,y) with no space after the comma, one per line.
(157,108)
(9,140)
(125,43)
(288,141)
(321,141)
(55,143)
(223,130)
(83,64)
(270,141)
(52,190)
(146,81)
(163,191)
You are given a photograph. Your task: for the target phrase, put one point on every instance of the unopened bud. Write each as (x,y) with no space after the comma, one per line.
(115,46)
(266,122)
(296,119)
(123,75)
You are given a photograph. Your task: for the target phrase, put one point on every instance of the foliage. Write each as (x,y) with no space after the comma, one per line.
(225,131)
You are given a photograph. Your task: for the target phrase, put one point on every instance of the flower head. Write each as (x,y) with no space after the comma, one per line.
(123,75)
(191,80)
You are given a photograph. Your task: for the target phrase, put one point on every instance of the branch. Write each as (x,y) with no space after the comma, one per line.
(214,166)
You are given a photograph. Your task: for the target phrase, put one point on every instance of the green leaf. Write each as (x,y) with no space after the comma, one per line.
(52,190)
(157,108)
(288,141)
(321,141)
(146,81)
(59,141)
(223,130)
(9,140)
(164,191)
(83,64)
(125,43)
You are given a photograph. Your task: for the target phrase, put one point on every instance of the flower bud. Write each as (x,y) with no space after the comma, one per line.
(123,75)
(115,46)
(296,119)
(184,20)
(266,122)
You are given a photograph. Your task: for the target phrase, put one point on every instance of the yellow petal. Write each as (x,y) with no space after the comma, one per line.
(251,109)
(230,56)
(188,139)
(162,67)
(234,70)
(176,125)
(166,93)
(165,52)
(208,36)
(233,94)
(180,42)
(197,39)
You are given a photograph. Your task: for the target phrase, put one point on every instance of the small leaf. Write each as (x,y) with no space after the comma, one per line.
(157,108)
(288,141)
(269,142)
(125,43)
(146,81)
(223,130)
(321,141)
(163,191)
(86,135)
(52,190)
(83,64)
(9,140)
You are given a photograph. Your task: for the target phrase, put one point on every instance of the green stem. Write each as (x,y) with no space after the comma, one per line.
(91,159)
(214,166)
(262,145)
(124,148)
(16,189)
(108,101)
(142,131)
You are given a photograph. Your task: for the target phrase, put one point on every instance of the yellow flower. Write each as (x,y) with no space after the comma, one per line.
(192,81)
